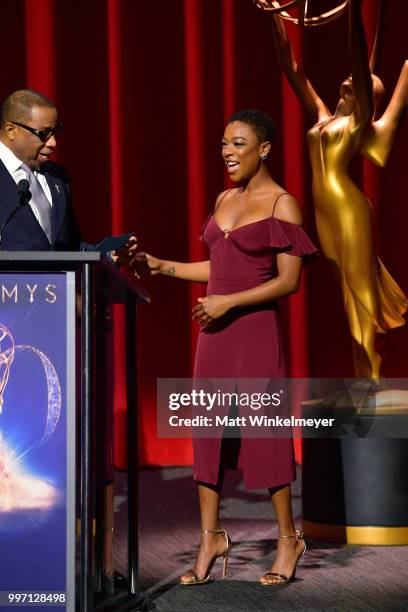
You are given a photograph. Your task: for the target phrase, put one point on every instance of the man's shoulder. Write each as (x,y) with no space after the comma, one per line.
(55,170)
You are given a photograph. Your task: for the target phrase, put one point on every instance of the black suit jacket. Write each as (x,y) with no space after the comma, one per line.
(23,232)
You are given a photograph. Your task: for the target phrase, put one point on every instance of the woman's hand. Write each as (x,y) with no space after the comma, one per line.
(211,307)
(143,262)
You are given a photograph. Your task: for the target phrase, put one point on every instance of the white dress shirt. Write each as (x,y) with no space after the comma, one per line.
(13,165)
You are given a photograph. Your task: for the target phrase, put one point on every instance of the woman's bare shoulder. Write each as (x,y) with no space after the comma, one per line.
(225,195)
(286,208)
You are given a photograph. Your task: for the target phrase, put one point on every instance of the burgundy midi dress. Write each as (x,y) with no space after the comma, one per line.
(246,342)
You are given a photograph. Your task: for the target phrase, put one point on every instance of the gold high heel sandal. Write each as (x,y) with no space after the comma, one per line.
(191,576)
(276,578)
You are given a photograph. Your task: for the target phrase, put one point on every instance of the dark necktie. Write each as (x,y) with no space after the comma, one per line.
(41,202)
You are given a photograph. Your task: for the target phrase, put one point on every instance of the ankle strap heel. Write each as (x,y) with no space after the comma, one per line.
(298,535)
(274,578)
(191,577)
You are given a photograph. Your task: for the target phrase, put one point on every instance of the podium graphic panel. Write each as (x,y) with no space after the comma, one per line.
(37,440)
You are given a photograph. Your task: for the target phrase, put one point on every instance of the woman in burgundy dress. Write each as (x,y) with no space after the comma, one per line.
(256,248)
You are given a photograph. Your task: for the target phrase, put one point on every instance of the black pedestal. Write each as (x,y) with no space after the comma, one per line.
(355,490)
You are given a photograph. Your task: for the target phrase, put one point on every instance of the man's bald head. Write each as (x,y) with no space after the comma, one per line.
(18,106)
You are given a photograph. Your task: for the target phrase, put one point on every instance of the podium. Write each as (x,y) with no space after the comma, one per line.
(55,442)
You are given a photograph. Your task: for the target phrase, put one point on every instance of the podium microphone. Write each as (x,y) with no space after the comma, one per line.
(24,196)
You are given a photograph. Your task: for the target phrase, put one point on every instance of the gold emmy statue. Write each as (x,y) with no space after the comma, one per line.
(373,301)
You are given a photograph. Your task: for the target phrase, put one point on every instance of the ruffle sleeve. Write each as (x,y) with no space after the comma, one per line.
(290,238)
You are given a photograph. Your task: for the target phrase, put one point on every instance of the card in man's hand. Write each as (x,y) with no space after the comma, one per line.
(112,243)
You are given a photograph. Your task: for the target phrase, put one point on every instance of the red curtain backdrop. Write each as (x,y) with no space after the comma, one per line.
(144,89)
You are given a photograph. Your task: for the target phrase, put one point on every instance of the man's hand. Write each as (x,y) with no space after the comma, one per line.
(123,256)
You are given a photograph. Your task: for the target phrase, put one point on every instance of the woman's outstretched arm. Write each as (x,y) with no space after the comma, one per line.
(197,271)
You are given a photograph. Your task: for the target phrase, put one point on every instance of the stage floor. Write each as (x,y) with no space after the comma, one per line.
(336,577)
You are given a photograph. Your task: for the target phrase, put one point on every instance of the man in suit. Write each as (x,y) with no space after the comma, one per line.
(28,129)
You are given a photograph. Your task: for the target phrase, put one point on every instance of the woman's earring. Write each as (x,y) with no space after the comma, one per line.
(264,157)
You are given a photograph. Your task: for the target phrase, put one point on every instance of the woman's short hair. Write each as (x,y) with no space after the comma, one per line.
(259,121)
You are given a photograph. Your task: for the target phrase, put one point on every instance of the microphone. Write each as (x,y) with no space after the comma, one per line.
(24,196)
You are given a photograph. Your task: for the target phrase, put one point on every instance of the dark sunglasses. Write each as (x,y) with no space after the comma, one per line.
(43,135)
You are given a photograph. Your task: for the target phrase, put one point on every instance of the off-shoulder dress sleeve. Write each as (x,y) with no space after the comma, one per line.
(290,238)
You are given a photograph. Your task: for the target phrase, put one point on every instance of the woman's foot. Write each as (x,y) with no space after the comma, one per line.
(290,549)
(214,544)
